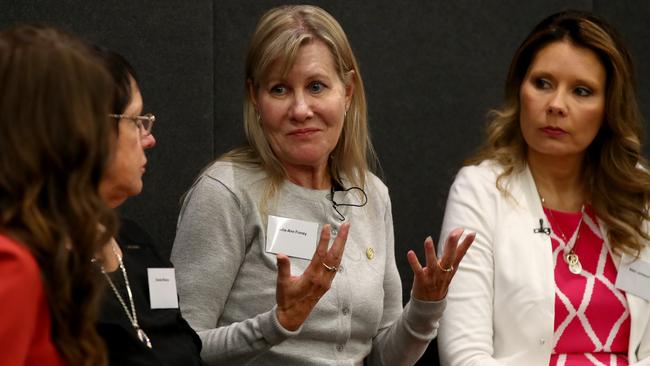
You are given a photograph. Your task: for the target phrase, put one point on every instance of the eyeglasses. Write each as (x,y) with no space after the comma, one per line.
(144,123)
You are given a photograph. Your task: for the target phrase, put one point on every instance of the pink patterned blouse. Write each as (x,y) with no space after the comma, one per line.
(592,320)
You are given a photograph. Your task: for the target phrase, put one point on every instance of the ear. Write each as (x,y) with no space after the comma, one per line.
(252,93)
(349,88)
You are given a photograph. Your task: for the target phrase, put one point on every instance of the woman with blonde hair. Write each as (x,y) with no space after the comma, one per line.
(54,143)
(559,198)
(308,163)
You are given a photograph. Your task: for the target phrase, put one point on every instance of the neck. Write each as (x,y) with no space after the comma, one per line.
(309,176)
(559,181)
(107,257)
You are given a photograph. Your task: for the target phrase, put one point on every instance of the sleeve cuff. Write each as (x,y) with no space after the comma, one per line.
(422,317)
(272,330)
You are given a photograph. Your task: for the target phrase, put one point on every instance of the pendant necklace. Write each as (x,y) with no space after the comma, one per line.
(133,318)
(570,256)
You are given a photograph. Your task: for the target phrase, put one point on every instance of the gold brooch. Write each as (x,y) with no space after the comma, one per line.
(370,253)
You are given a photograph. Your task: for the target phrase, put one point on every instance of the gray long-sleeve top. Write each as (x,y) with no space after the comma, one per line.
(227,281)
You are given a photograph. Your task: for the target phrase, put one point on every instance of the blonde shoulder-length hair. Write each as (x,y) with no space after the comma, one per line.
(279,35)
(615,171)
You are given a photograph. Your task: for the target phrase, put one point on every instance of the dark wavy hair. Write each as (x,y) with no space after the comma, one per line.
(616,173)
(55,139)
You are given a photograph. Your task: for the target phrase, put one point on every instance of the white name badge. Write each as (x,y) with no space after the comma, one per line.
(295,238)
(634,277)
(162,288)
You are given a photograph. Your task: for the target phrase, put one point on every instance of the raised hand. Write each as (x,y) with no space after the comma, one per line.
(430,283)
(297,295)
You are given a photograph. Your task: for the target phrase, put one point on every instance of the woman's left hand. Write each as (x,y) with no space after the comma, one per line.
(430,283)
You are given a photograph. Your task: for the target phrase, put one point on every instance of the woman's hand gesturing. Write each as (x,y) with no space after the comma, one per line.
(430,283)
(298,295)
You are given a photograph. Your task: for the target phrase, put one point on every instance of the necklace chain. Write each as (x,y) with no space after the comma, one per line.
(132,315)
(570,256)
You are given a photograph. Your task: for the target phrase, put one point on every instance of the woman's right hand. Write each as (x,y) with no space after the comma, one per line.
(298,295)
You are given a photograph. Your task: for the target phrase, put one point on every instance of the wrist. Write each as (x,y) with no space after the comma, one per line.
(286,321)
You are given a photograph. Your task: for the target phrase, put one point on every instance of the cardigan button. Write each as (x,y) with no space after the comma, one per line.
(542,341)
(339,347)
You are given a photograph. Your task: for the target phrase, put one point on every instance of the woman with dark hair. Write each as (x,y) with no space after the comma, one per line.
(135,329)
(559,198)
(54,143)
(255,280)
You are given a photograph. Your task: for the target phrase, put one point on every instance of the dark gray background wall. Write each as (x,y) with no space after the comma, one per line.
(432,69)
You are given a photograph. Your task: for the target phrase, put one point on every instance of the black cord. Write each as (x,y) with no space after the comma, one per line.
(340,188)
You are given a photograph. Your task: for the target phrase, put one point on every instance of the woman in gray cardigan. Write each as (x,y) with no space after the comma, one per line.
(308,164)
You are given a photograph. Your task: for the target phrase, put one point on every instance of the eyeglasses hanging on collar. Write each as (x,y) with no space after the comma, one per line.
(337,187)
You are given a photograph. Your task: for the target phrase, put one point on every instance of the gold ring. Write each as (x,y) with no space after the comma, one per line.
(451,268)
(329,268)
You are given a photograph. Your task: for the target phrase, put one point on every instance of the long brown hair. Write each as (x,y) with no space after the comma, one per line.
(55,139)
(615,171)
(279,34)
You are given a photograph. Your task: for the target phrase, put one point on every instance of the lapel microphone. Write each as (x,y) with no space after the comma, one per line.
(541,229)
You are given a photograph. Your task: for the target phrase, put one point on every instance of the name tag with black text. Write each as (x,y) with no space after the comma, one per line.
(295,238)
(162,288)
(634,276)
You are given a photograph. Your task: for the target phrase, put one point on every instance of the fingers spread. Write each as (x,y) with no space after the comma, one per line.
(284,267)
(414,262)
(430,252)
(321,249)
(339,243)
(449,251)
(464,246)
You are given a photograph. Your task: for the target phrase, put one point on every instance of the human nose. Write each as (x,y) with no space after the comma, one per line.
(148,141)
(301,108)
(557,105)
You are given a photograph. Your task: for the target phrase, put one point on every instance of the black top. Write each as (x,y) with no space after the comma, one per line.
(173,340)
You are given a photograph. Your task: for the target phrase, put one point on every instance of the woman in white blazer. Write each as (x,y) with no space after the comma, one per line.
(559,273)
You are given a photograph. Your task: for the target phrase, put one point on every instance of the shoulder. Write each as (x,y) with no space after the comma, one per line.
(136,241)
(233,176)
(486,172)
(485,175)
(18,269)
(224,187)
(375,185)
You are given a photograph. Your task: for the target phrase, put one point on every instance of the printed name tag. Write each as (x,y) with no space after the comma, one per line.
(295,238)
(162,288)
(634,276)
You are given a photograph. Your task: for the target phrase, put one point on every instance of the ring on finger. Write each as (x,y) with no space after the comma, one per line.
(451,268)
(329,268)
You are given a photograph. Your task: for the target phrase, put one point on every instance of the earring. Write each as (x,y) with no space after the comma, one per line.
(259,118)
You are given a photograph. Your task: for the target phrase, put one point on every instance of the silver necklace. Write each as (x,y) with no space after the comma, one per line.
(570,256)
(133,317)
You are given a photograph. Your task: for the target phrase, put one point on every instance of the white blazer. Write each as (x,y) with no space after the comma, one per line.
(500,306)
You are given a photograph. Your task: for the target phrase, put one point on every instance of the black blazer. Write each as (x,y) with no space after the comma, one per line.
(173,340)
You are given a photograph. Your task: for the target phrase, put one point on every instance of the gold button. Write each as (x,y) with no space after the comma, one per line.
(370,253)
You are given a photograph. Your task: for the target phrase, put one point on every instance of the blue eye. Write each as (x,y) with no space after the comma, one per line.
(582,91)
(316,87)
(278,90)
(542,83)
